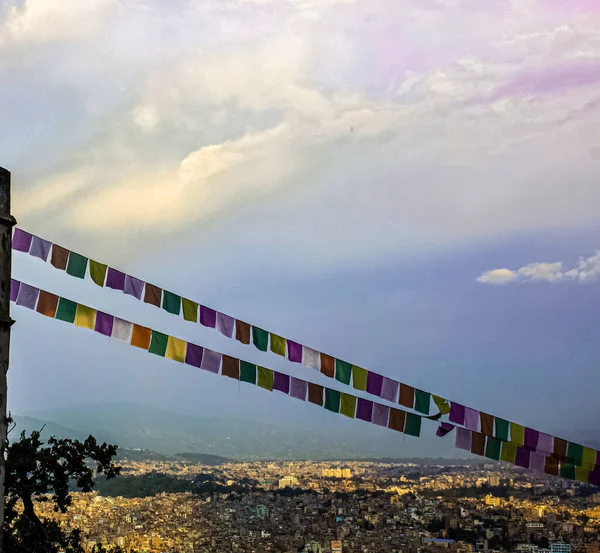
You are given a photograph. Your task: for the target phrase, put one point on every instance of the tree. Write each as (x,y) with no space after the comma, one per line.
(37,472)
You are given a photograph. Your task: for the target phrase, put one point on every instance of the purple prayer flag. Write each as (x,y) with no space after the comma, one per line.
(133,286)
(211,361)
(531,439)
(537,461)
(463,439)
(594,477)
(522,459)
(21,240)
(14,289)
(374,384)
(364,409)
(281,382)
(389,389)
(598,458)
(457,413)
(40,248)
(444,428)
(208,317)
(294,352)
(27,296)
(381,414)
(104,323)
(115,279)
(472,419)
(545,443)
(193,355)
(298,388)
(225,324)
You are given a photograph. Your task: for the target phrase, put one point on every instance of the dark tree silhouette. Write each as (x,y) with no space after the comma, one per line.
(37,472)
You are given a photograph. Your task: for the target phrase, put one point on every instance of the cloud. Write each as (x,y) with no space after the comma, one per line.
(585,269)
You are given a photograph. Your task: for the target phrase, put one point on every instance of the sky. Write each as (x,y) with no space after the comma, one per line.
(411,185)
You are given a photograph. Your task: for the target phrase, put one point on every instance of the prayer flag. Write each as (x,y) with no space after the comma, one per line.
(211,361)
(457,413)
(389,389)
(28,296)
(359,378)
(545,443)
(260,337)
(472,419)
(487,424)
(190,310)
(422,401)
(116,280)
(326,364)
(347,405)
(98,272)
(208,318)
(171,303)
(531,439)
(412,426)
(517,433)
(153,295)
(492,448)
(560,449)
(397,420)
(158,343)
(582,474)
(294,352)
(176,349)
(85,317)
(122,330)
(298,388)
(477,443)
(589,458)
(575,453)
(14,289)
(501,429)
(332,400)
(381,414)
(311,358)
(444,428)
(343,371)
(463,439)
(66,309)
(364,410)
(230,367)
(225,324)
(59,257)
(551,466)
(40,248)
(133,287)
(193,355)
(315,394)
(594,477)
(140,337)
(442,404)
(522,457)
(21,241)
(247,372)
(509,452)
(77,265)
(281,382)
(537,461)
(265,378)
(374,383)
(104,323)
(407,396)
(567,470)
(242,332)
(277,344)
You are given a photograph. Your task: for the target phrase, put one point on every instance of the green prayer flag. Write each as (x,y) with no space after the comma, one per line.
(77,265)
(492,448)
(501,429)
(343,371)
(278,344)
(66,310)
(348,405)
(442,404)
(98,272)
(247,372)
(260,338)
(422,401)
(359,378)
(171,302)
(517,433)
(265,378)
(567,470)
(575,453)
(190,310)
(509,452)
(158,344)
(332,400)
(412,426)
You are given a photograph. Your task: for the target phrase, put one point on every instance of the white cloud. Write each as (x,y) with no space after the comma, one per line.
(585,270)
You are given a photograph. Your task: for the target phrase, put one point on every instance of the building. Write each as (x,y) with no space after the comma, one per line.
(288,482)
(336,546)
(560,547)
(262,511)
(494,480)
(492,501)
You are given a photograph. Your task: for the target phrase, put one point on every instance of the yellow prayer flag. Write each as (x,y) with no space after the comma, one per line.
(176,349)
(589,458)
(581,474)
(85,317)
(517,433)
(277,344)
